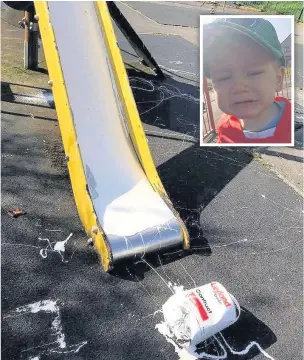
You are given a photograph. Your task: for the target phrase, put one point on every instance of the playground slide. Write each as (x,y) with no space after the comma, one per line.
(119,196)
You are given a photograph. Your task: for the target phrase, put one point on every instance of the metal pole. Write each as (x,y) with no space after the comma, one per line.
(208,102)
(301,13)
(26,39)
(30,40)
(134,40)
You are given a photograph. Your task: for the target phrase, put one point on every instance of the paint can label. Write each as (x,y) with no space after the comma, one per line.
(194,315)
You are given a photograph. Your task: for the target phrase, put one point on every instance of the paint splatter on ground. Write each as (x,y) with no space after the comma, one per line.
(57,337)
(58,247)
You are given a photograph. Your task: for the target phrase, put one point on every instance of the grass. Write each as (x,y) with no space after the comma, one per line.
(278,7)
(18,74)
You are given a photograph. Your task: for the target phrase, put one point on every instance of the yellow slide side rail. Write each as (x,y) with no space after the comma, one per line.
(77,174)
(130,109)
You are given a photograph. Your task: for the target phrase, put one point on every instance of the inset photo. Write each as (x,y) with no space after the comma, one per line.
(246,80)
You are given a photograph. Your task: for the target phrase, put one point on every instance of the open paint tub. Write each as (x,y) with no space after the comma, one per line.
(192,316)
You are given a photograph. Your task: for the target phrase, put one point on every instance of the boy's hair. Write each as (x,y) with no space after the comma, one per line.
(224,30)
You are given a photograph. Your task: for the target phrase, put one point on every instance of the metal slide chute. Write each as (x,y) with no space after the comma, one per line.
(119,196)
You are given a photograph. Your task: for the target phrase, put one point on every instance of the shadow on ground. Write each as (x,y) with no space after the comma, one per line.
(192,179)
(168,104)
(233,341)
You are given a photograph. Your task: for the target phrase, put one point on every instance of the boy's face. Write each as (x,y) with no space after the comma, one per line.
(245,79)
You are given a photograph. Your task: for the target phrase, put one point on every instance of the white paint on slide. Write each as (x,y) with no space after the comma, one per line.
(129,206)
(123,199)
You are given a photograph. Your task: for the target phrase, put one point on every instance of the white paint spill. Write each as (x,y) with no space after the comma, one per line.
(153,314)
(53,230)
(48,306)
(175,288)
(70,349)
(177,62)
(189,353)
(231,243)
(247,349)
(164,92)
(58,247)
(192,316)
(57,329)
(163,330)
(183,353)
(180,71)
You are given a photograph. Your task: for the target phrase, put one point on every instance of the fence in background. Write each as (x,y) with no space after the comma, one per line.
(208,119)
(286,91)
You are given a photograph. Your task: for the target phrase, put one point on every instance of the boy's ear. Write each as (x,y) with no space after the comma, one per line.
(280,77)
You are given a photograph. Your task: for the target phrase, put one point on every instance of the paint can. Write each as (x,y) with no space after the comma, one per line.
(192,316)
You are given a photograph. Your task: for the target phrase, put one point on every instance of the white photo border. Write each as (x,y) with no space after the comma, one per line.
(292,31)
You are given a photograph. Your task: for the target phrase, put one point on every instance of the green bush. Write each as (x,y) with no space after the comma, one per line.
(278,7)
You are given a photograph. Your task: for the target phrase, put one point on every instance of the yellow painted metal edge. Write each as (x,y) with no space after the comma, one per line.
(77,174)
(130,110)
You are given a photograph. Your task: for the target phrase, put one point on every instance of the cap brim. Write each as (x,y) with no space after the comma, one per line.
(212,31)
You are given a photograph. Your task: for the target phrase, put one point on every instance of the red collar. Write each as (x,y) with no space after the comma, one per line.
(230,130)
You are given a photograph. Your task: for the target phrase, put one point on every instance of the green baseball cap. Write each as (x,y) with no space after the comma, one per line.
(258,29)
